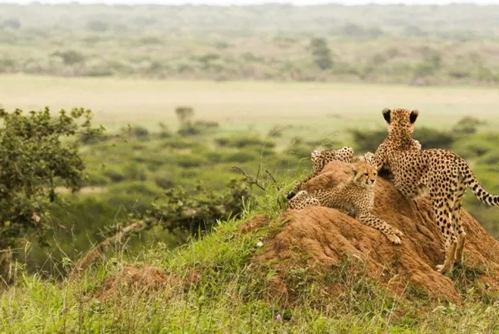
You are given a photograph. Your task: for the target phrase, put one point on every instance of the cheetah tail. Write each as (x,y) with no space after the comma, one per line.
(471,182)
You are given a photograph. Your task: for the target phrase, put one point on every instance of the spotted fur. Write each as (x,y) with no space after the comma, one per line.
(441,174)
(355,196)
(319,160)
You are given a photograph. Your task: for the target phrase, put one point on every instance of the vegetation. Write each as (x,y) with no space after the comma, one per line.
(158,187)
(418,45)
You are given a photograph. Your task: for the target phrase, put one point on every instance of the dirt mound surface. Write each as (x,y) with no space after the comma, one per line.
(136,278)
(325,238)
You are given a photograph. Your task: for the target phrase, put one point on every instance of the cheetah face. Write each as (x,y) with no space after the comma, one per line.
(400,120)
(365,175)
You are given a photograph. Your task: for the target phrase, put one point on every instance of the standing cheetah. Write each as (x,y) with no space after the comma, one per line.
(355,196)
(440,173)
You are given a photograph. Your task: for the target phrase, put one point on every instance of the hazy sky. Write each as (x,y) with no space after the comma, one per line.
(246,2)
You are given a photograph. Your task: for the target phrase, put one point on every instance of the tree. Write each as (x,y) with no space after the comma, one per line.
(70,57)
(38,153)
(184,115)
(321,53)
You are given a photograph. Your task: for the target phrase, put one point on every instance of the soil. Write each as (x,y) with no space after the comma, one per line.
(319,237)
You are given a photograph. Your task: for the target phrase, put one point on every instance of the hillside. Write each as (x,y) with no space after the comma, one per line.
(311,271)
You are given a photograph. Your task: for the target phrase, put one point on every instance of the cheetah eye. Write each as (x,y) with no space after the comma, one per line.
(365,174)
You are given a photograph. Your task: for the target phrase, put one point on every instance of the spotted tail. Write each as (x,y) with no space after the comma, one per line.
(471,182)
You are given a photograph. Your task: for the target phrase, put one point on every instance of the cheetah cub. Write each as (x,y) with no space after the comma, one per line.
(319,160)
(356,195)
(440,173)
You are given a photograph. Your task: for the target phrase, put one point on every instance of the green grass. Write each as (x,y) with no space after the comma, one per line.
(229,296)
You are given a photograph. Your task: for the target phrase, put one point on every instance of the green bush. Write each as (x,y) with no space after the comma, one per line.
(189,161)
(242,157)
(242,141)
(114,174)
(134,172)
(38,152)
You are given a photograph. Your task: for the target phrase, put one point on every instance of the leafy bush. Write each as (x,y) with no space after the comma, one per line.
(242,141)
(198,212)
(115,175)
(242,157)
(37,153)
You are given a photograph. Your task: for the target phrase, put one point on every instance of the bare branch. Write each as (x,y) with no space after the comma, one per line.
(272,178)
(249,178)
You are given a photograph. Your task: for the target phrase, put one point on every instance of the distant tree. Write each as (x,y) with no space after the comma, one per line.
(321,53)
(353,30)
(467,125)
(69,57)
(12,23)
(38,152)
(97,26)
(184,115)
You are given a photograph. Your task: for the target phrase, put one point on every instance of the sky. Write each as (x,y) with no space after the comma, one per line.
(249,2)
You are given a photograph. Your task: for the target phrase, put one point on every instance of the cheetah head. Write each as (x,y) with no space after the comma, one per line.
(400,121)
(364,174)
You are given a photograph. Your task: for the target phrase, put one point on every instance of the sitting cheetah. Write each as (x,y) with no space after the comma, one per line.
(355,196)
(440,173)
(319,160)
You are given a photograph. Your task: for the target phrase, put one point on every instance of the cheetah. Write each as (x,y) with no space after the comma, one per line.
(355,196)
(319,160)
(441,174)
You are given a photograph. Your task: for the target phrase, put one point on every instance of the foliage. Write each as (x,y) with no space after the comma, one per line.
(200,210)
(448,45)
(37,155)
(213,286)
(184,115)
(321,53)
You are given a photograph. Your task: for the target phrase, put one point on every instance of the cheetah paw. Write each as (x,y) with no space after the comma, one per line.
(398,233)
(442,269)
(394,239)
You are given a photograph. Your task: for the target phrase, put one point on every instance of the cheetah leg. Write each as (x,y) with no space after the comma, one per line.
(389,231)
(458,226)
(302,200)
(444,222)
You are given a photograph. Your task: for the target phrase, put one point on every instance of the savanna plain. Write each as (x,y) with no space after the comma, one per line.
(125,215)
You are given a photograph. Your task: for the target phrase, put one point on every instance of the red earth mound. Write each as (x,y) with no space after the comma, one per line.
(326,237)
(143,279)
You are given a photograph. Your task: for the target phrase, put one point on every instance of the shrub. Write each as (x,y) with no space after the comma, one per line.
(242,157)
(189,161)
(189,130)
(134,172)
(242,141)
(115,175)
(37,153)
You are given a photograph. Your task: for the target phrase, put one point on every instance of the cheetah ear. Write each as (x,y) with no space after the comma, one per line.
(387,115)
(354,170)
(414,116)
